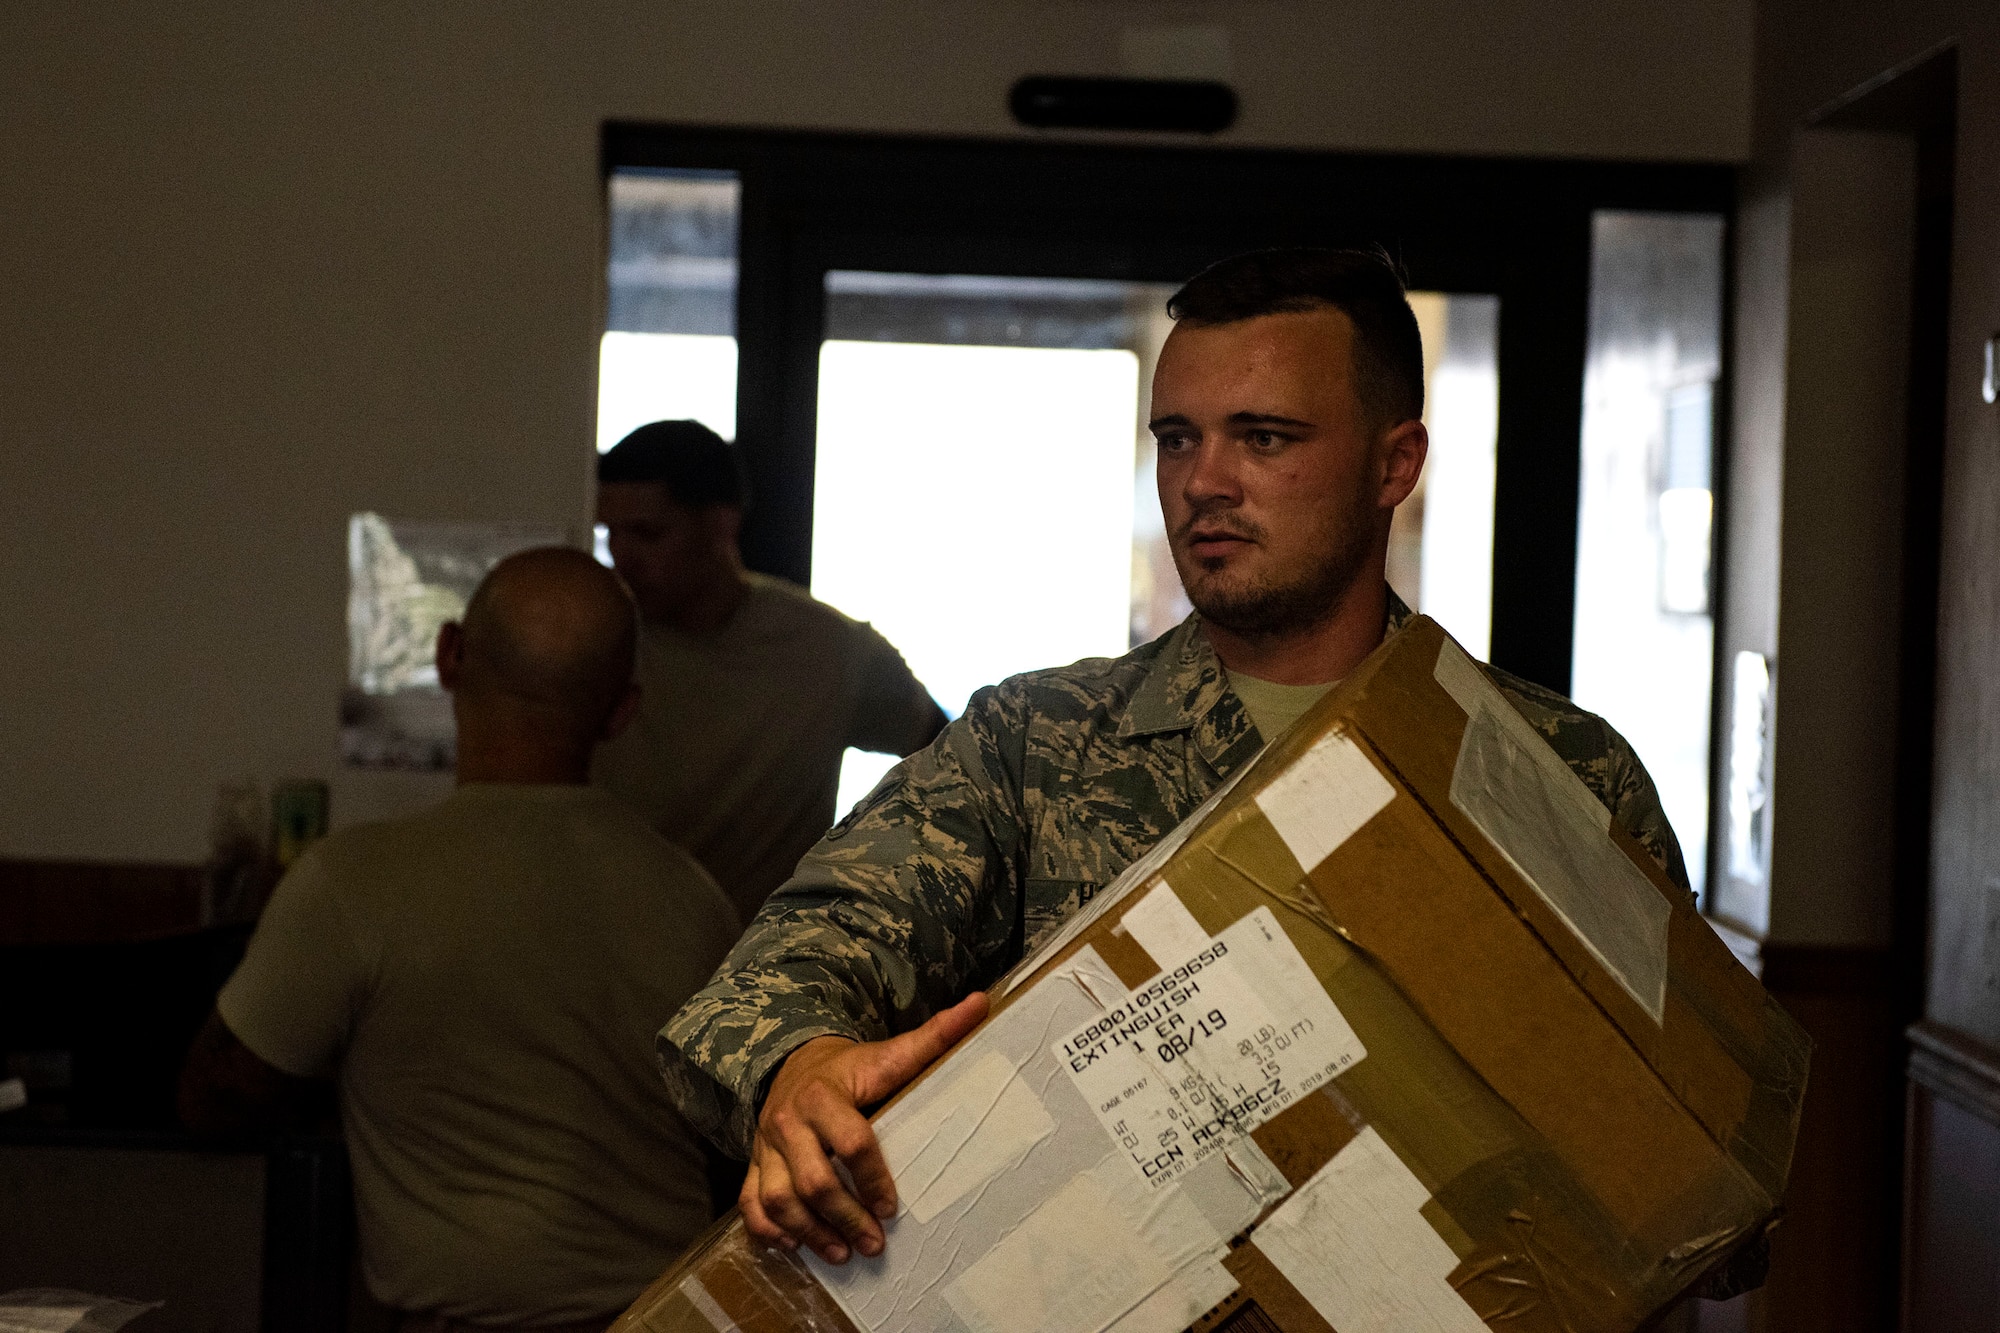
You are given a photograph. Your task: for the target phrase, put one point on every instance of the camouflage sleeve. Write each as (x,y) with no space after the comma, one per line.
(900,910)
(1635,804)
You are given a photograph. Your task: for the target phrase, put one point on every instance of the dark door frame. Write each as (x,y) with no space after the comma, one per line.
(1518,229)
(1919,101)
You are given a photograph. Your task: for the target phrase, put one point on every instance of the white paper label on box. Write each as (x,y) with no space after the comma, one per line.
(1320,801)
(1163,926)
(1072,1266)
(1187,1296)
(969,1131)
(1557,834)
(1208,1050)
(1354,1244)
(901,1290)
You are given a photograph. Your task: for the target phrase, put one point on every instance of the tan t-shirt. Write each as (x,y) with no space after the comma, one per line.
(485,980)
(1274,707)
(735,754)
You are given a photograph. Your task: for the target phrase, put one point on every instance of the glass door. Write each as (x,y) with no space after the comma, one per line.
(1644,643)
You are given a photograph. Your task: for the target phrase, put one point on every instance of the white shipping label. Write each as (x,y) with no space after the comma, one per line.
(1208,1050)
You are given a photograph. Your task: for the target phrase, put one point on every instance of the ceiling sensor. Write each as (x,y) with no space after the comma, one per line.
(1180,106)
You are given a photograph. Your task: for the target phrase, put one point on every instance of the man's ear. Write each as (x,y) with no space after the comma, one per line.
(450,654)
(1404,449)
(622,714)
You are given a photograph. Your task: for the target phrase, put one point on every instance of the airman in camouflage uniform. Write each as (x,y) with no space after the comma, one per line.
(1287,408)
(970,851)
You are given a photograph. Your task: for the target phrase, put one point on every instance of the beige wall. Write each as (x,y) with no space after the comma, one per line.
(263,266)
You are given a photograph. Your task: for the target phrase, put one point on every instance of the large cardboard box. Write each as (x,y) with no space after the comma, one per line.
(1398,1033)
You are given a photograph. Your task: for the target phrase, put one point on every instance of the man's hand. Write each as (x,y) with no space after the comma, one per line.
(793,1193)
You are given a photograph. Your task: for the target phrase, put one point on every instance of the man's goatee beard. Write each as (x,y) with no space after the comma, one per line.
(1268,611)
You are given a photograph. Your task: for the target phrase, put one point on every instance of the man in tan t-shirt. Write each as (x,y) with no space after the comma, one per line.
(484,981)
(752,690)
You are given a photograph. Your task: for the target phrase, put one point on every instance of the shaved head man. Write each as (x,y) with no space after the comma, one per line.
(540,670)
(482,983)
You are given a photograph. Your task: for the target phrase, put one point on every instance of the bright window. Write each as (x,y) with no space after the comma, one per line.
(646,377)
(1644,632)
(983,492)
(1441,545)
(1026,562)
(669,348)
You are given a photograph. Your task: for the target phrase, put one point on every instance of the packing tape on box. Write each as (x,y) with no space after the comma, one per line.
(697,1296)
(1163,926)
(1323,800)
(1074,1265)
(1556,833)
(1353,1242)
(1186,1297)
(985,1121)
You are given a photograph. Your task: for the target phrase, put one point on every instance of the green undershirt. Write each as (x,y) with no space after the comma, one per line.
(1274,707)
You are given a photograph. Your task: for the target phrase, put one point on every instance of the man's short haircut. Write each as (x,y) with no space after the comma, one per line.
(554,631)
(697,466)
(1364,285)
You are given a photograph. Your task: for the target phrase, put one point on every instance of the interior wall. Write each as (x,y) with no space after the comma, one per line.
(264,266)
(1853,222)
(1810,53)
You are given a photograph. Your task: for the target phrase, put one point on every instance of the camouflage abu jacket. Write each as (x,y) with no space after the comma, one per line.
(1049,786)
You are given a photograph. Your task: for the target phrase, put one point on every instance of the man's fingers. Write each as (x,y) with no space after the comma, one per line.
(816,1182)
(793,1192)
(755,1220)
(798,1221)
(892,1063)
(853,1141)
(778,1203)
